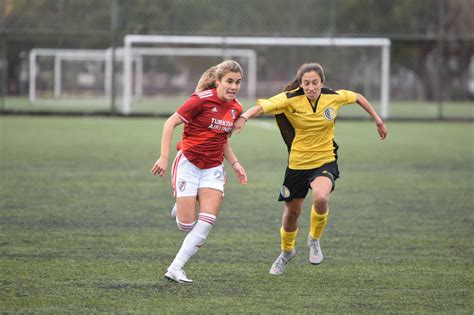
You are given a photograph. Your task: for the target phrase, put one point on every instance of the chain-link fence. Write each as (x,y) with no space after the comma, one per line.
(431,55)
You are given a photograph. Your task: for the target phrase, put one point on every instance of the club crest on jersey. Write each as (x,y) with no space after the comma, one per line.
(233,113)
(329,113)
(182,185)
(284,192)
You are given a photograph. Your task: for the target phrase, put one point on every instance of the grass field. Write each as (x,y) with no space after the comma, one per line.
(85,228)
(160,105)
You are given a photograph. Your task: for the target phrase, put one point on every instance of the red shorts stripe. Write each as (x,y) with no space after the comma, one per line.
(173,170)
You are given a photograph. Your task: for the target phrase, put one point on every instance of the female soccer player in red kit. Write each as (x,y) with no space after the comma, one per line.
(198,169)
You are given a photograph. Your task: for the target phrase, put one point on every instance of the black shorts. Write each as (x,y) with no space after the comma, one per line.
(298,182)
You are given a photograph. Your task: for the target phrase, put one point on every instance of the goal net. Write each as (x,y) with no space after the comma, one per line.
(358,64)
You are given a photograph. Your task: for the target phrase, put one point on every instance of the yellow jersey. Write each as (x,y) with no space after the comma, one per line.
(306,128)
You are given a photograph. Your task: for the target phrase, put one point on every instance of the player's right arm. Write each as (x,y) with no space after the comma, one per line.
(161,164)
(239,123)
(273,105)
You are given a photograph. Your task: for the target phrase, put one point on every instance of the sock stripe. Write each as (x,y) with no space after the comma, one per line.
(186,227)
(208,218)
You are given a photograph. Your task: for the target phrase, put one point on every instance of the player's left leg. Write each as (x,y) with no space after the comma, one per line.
(322,187)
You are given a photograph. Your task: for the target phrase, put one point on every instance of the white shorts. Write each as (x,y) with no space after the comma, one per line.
(187,178)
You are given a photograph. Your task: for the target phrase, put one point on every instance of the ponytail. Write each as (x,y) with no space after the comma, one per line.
(207,80)
(293,85)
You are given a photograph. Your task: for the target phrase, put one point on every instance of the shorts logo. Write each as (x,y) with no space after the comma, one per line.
(284,192)
(219,175)
(329,113)
(182,185)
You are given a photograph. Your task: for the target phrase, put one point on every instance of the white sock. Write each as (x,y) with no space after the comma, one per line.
(185,227)
(193,240)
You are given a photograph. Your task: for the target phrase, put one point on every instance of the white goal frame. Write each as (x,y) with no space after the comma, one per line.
(81,55)
(136,57)
(130,51)
(226,41)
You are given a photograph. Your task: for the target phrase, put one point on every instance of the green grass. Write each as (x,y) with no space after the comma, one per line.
(85,228)
(397,109)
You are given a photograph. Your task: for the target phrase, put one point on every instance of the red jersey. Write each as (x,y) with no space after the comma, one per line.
(208,120)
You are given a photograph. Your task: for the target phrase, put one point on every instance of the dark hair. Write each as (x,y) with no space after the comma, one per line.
(306,67)
(209,77)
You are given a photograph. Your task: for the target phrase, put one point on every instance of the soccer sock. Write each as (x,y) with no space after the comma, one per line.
(318,222)
(193,240)
(185,227)
(287,240)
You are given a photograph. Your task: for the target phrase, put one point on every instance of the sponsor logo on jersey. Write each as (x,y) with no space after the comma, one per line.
(214,110)
(182,185)
(284,192)
(221,124)
(329,113)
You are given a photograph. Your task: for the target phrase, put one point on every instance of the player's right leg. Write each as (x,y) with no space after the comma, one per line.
(186,179)
(288,232)
(186,213)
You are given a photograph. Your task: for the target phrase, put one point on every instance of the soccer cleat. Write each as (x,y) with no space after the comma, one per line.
(178,276)
(173,212)
(315,253)
(278,266)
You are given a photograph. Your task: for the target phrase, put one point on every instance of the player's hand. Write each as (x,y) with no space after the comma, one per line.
(239,172)
(239,124)
(382,130)
(160,166)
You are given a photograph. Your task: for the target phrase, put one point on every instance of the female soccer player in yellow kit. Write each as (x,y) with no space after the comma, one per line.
(305,113)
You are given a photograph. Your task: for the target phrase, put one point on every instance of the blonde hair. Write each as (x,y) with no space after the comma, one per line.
(210,76)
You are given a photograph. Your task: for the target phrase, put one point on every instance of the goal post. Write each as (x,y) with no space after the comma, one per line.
(229,43)
(78,55)
(59,55)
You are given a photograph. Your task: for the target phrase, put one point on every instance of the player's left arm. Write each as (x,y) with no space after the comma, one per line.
(238,169)
(365,104)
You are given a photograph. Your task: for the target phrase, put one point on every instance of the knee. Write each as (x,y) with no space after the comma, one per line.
(321,201)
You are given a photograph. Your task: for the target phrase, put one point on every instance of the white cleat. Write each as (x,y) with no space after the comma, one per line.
(173,212)
(278,266)
(178,276)
(315,253)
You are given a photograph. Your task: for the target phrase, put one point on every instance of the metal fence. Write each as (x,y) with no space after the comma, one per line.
(432,43)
